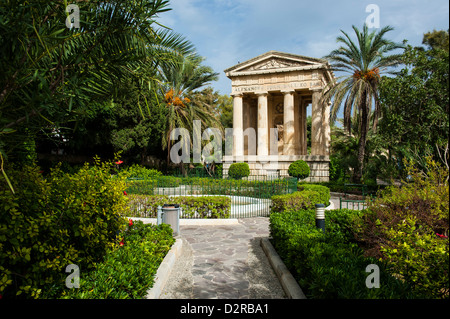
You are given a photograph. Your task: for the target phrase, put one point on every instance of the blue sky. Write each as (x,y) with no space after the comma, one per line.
(226,32)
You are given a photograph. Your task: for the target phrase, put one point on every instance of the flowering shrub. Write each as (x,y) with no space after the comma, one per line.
(408,228)
(52,222)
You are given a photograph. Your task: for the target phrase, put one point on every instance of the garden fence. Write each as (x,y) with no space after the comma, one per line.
(250,197)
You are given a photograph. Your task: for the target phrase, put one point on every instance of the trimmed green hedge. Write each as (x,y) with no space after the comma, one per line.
(322,190)
(299,169)
(211,186)
(238,170)
(128,271)
(306,198)
(193,206)
(330,264)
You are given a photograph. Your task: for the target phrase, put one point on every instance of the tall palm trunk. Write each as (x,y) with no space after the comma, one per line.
(364,128)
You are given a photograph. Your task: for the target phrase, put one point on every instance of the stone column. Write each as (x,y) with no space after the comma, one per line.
(316,125)
(238,145)
(263,130)
(289,127)
(326,129)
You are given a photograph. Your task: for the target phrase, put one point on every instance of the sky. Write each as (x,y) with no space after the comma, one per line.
(226,32)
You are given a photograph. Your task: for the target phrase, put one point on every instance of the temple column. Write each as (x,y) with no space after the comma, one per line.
(238,145)
(289,126)
(316,125)
(326,129)
(263,131)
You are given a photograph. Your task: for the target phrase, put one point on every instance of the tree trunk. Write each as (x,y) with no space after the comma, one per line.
(357,176)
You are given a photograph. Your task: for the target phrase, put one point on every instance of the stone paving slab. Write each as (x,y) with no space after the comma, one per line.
(224,262)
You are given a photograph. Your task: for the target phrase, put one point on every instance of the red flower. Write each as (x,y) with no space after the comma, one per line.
(441,235)
(119,162)
(125,193)
(130,223)
(121,243)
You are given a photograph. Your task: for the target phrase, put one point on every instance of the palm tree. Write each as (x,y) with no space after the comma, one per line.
(50,74)
(179,81)
(363,62)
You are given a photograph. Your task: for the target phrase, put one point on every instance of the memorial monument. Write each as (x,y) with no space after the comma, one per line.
(271,91)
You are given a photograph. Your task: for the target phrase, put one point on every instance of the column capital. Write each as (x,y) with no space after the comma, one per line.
(237,94)
(261,93)
(288,91)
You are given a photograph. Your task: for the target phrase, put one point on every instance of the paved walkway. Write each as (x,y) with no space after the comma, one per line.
(224,262)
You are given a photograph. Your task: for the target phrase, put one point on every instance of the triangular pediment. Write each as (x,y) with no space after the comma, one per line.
(274,61)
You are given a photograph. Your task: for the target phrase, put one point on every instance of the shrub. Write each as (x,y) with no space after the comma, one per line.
(408,228)
(308,196)
(129,269)
(330,264)
(192,206)
(51,223)
(137,171)
(299,169)
(238,170)
(322,190)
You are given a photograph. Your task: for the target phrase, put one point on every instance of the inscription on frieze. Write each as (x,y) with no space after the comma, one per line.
(276,87)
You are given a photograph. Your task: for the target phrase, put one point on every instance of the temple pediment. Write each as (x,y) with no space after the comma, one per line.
(273,62)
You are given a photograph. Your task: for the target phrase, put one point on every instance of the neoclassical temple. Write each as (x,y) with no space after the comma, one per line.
(271,91)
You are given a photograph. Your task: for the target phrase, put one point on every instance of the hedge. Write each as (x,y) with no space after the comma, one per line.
(51,222)
(299,200)
(330,264)
(322,190)
(192,206)
(128,271)
(238,170)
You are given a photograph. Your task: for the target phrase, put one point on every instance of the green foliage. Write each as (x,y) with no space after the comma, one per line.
(416,108)
(238,170)
(192,206)
(129,269)
(322,190)
(329,265)
(305,199)
(51,223)
(51,75)
(408,228)
(299,169)
(137,171)
(362,62)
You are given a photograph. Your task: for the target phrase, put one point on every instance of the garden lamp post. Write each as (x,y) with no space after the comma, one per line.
(320,216)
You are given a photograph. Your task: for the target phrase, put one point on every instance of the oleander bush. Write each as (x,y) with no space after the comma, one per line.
(192,206)
(55,221)
(238,170)
(331,264)
(129,268)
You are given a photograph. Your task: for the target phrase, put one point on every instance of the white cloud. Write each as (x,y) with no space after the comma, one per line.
(229,31)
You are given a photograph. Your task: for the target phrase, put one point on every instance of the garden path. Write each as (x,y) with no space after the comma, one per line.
(224,262)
